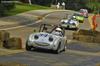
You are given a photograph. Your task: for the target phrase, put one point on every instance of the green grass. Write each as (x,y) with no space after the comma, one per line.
(94,6)
(20,8)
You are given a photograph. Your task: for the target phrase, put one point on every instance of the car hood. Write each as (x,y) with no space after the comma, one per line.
(43,37)
(70,22)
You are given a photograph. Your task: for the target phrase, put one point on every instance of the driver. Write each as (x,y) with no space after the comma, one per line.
(57,31)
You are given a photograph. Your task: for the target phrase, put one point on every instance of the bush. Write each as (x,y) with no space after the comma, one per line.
(93,7)
(5,6)
(74,6)
(42,2)
(8,5)
(2,10)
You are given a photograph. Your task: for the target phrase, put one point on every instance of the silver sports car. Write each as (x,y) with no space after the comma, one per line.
(46,39)
(71,23)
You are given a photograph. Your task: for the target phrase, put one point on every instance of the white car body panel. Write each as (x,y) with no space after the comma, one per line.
(43,42)
(66,22)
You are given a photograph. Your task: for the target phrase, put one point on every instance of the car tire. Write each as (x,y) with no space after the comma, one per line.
(80,21)
(64,48)
(86,17)
(28,48)
(68,26)
(76,29)
(58,49)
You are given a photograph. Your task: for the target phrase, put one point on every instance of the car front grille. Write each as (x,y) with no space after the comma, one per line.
(41,44)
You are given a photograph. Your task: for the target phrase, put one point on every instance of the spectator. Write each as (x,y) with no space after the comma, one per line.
(63,5)
(58,5)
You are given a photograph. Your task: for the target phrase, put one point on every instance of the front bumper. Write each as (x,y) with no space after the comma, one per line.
(68,26)
(40,45)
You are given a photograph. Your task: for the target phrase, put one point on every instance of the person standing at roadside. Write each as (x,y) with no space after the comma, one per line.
(94,24)
(63,5)
(58,5)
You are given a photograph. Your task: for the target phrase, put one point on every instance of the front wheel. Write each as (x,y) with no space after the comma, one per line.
(76,28)
(28,48)
(58,49)
(81,21)
(64,48)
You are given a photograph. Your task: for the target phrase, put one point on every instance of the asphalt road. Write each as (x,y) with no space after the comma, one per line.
(47,58)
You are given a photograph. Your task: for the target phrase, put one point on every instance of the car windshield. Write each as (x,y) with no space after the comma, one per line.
(78,15)
(49,29)
(46,28)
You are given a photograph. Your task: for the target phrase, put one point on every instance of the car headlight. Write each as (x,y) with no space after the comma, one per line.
(36,37)
(50,39)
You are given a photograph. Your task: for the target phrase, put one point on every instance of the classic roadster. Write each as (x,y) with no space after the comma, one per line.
(46,39)
(70,24)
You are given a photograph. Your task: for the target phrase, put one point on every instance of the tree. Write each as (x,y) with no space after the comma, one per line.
(6,6)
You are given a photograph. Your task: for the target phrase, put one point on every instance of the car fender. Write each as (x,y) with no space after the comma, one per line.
(56,43)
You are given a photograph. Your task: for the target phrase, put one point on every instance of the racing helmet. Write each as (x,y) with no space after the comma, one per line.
(58,29)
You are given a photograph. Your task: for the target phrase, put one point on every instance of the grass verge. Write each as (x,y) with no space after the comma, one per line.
(20,8)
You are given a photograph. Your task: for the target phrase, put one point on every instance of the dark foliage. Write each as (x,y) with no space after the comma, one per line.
(6,6)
